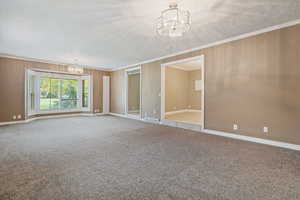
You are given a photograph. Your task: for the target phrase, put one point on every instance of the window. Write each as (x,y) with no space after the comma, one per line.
(45,94)
(85,93)
(58,94)
(69,97)
(50,92)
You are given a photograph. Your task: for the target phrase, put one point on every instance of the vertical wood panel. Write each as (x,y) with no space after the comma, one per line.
(11,89)
(117,102)
(176,89)
(151,90)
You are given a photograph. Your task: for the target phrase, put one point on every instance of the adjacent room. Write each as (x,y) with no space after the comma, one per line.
(183,91)
(149,100)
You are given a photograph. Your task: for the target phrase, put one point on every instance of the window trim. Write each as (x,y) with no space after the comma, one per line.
(79,78)
(90,97)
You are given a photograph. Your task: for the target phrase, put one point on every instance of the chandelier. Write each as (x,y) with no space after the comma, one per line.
(173,22)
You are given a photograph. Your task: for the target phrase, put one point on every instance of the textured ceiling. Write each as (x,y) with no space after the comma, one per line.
(116,33)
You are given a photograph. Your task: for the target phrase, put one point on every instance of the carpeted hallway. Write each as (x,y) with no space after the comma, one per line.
(114,158)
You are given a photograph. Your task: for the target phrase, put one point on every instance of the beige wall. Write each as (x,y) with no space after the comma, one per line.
(150,78)
(151,81)
(133,92)
(194,97)
(176,89)
(253,82)
(12,85)
(180,91)
(117,98)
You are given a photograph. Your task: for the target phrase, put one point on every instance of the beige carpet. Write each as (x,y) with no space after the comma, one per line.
(188,117)
(111,158)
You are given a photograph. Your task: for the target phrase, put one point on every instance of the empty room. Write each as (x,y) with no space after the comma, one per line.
(150,100)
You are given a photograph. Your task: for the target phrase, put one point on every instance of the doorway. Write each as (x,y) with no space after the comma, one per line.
(133,93)
(182,92)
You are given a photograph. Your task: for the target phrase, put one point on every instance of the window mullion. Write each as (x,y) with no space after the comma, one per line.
(79,93)
(38,94)
(60,90)
(50,90)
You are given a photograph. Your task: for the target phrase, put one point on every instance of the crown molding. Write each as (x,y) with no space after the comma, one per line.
(231,39)
(242,36)
(4,55)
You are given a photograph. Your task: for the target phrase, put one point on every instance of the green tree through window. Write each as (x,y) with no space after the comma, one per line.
(85,93)
(58,93)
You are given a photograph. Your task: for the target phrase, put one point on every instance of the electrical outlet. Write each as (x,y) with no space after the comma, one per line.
(19,116)
(235,127)
(14,117)
(266,129)
(174,107)
(189,106)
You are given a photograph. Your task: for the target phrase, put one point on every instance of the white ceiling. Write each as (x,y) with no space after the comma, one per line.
(116,33)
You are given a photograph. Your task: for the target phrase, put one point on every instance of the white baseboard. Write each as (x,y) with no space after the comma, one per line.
(192,110)
(131,116)
(225,134)
(253,139)
(156,121)
(151,120)
(133,111)
(13,122)
(118,115)
(181,111)
(175,112)
(49,117)
(128,116)
(179,124)
(148,120)
(100,114)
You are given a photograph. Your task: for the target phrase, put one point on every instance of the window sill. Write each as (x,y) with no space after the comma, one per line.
(53,112)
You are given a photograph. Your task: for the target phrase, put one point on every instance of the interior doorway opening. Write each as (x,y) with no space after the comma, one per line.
(182,96)
(133,92)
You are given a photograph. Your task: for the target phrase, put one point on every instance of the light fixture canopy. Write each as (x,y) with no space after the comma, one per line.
(173,22)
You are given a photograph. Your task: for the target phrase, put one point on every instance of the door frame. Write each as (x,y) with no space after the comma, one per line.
(126,93)
(163,86)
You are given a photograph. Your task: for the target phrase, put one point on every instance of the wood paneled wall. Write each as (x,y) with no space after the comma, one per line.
(133,92)
(176,89)
(253,82)
(194,97)
(12,85)
(180,91)
(117,100)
